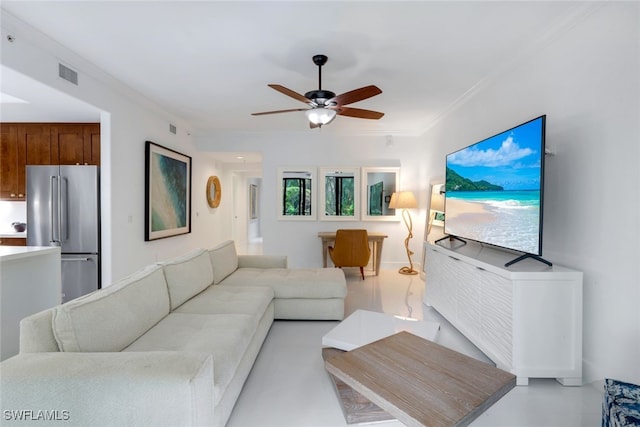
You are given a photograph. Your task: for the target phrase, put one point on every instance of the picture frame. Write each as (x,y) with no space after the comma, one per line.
(253,201)
(438,218)
(167,192)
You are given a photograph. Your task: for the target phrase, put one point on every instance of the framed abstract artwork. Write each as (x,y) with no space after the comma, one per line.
(167,192)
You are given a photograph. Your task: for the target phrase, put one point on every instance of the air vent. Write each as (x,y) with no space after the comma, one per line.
(68,74)
(172,129)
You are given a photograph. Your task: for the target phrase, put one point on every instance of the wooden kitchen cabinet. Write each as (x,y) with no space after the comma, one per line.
(23,144)
(91,144)
(69,142)
(13,241)
(77,144)
(38,149)
(12,180)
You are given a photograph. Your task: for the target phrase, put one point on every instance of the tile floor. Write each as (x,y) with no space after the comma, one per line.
(288,386)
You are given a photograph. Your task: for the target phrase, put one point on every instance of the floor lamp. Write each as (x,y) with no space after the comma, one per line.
(405,200)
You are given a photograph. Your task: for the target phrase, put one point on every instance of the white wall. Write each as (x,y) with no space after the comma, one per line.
(587,82)
(127,121)
(11,212)
(318,148)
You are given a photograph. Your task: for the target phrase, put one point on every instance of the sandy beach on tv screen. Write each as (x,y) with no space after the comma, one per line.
(457,207)
(486,223)
(469,219)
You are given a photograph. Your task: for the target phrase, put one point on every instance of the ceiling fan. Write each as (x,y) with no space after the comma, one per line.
(324,104)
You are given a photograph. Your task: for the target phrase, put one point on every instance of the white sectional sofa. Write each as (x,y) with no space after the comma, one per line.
(170,345)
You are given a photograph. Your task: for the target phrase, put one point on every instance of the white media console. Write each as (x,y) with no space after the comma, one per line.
(527,318)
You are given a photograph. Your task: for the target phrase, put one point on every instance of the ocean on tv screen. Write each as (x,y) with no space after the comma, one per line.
(493,189)
(504,218)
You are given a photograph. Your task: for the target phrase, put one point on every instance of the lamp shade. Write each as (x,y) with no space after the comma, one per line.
(403,200)
(320,115)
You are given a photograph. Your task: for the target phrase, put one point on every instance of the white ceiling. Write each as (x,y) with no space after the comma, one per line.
(209,62)
(26,100)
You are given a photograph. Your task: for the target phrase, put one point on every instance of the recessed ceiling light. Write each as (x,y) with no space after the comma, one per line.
(240,157)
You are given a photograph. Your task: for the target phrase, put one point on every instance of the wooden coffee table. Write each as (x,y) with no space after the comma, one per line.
(419,382)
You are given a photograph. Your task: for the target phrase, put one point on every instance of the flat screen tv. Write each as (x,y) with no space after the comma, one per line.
(494,189)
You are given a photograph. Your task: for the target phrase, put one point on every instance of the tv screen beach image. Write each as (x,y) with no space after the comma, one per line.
(493,189)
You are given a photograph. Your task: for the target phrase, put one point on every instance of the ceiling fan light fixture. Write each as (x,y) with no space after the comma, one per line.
(320,116)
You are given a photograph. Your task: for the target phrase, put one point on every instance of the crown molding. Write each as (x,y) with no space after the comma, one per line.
(553,32)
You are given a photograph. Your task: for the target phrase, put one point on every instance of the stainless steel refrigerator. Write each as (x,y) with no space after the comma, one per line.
(63,209)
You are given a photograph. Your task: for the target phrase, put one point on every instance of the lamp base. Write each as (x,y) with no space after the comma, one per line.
(407,270)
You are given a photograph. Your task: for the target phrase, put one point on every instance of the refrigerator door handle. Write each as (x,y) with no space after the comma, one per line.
(63,229)
(75,259)
(52,209)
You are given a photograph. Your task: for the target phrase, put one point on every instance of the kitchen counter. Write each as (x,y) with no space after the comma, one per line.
(30,281)
(10,253)
(13,234)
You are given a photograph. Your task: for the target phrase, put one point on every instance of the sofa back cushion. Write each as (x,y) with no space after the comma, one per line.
(112,318)
(224,260)
(187,276)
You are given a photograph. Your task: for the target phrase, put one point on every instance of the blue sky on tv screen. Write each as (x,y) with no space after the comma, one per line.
(510,159)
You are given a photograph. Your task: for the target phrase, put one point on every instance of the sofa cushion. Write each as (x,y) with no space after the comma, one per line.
(224,260)
(112,318)
(251,300)
(187,276)
(225,336)
(294,283)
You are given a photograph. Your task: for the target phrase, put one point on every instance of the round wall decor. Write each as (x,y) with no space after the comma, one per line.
(214,191)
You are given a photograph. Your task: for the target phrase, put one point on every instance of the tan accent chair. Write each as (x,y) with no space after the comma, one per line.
(351,249)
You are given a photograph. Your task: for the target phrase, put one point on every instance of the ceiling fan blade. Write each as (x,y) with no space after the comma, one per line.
(359,113)
(278,111)
(355,95)
(289,92)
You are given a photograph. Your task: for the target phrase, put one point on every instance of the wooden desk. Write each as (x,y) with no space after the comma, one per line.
(377,239)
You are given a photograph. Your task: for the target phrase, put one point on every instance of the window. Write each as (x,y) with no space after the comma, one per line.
(339,196)
(297,196)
